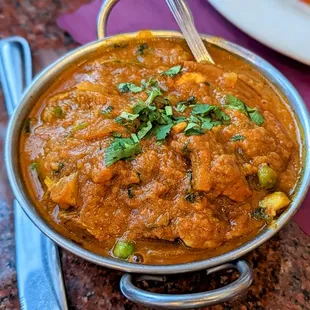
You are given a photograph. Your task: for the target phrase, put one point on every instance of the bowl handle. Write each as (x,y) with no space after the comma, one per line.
(103,16)
(185,301)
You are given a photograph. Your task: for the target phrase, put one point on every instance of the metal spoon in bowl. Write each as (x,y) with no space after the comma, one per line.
(184,18)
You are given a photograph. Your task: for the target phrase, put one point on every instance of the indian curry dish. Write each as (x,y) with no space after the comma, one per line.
(140,153)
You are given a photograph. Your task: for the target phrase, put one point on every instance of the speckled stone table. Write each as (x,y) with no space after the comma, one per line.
(281,266)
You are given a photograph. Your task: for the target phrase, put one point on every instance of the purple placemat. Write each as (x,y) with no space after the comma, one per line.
(134,15)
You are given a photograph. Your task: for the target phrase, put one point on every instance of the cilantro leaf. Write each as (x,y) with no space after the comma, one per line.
(179,119)
(141,48)
(134,138)
(120,148)
(203,108)
(260,215)
(209,124)
(190,126)
(126,87)
(182,105)
(233,102)
(27,125)
(34,166)
(161,132)
(144,130)
(257,117)
(153,93)
(237,138)
(172,71)
(221,116)
(168,110)
(149,83)
(196,131)
(140,106)
(107,110)
(58,112)
(128,116)
(193,129)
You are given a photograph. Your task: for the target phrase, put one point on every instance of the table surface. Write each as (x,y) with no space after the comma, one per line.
(281,266)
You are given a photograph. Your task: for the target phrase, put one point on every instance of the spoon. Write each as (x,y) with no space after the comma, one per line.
(184,18)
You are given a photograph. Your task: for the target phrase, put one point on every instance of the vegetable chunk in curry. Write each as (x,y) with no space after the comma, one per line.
(143,154)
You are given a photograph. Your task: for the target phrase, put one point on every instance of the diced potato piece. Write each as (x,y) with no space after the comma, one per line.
(191,77)
(274,202)
(267,177)
(88,86)
(65,191)
(101,174)
(179,127)
(230,79)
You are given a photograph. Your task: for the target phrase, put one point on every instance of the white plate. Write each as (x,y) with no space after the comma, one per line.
(283,25)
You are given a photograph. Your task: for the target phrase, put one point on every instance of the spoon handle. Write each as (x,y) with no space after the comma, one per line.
(184,18)
(39,277)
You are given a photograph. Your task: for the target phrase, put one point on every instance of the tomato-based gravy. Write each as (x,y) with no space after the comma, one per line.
(143,154)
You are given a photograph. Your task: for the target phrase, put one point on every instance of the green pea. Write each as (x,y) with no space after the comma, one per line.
(123,249)
(267,177)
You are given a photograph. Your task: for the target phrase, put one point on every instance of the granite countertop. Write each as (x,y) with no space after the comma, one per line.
(281,266)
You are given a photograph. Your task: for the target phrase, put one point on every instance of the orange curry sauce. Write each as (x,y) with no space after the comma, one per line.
(181,194)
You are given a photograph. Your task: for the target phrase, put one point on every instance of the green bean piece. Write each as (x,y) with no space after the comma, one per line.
(267,177)
(123,249)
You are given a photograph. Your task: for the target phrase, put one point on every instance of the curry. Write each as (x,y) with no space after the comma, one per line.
(142,154)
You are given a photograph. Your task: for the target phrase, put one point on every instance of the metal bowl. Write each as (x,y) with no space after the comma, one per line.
(223,261)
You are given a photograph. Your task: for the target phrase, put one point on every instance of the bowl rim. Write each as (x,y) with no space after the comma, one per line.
(45,79)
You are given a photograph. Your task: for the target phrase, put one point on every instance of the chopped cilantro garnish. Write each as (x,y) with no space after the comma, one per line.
(120,148)
(58,112)
(209,124)
(149,83)
(34,166)
(134,138)
(27,125)
(190,126)
(107,110)
(120,45)
(141,48)
(139,106)
(260,214)
(172,71)
(182,105)
(195,132)
(153,93)
(234,103)
(203,108)
(237,138)
(129,87)
(144,130)
(257,117)
(168,110)
(79,126)
(162,132)
(59,168)
(128,116)
(211,111)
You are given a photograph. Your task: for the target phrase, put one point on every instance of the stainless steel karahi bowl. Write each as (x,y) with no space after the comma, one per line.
(227,260)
